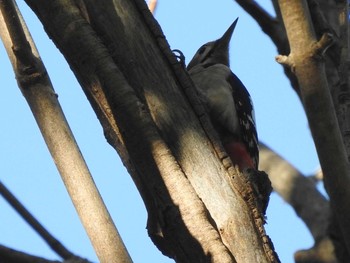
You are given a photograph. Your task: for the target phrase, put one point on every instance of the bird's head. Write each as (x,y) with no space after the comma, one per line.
(214,52)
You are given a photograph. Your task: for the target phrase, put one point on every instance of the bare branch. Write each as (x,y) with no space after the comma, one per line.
(273,27)
(296,189)
(309,204)
(37,89)
(323,122)
(268,24)
(55,244)
(14,256)
(322,252)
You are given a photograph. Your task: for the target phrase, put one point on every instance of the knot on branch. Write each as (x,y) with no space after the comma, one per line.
(320,47)
(286,60)
(30,69)
(316,51)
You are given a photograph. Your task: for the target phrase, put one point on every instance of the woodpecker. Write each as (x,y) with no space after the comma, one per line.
(226,100)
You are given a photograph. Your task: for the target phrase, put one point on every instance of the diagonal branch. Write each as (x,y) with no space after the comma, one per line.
(55,244)
(297,190)
(273,27)
(11,255)
(309,204)
(39,93)
(268,24)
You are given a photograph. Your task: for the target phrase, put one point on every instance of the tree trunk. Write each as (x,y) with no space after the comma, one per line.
(200,208)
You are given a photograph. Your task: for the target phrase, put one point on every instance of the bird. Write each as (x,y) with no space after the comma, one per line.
(226,100)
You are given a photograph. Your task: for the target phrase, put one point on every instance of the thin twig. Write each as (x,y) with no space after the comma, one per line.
(10,255)
(152,5)
(55,244)
(297,190)
(268,24)
(273,27)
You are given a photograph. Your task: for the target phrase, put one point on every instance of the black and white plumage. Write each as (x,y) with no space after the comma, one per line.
(227,100)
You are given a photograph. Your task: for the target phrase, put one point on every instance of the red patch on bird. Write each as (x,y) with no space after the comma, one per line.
(239,155)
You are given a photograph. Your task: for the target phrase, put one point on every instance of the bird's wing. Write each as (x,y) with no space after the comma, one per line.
(216,93)
(245,111)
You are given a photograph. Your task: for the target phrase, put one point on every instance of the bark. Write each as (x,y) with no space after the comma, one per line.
(309,69)
(330,17)
(341,95)
(37,89)
(197,209)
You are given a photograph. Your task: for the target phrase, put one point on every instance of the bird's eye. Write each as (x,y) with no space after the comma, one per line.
(202,49)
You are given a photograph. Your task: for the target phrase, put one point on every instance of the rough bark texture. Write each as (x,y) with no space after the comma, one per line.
(197,213)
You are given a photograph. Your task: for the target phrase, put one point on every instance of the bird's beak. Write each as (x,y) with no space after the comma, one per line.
(223,42)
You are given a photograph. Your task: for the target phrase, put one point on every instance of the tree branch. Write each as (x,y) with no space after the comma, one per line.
(343,95)
(301,193)
(298,191)
(55,244)
(268,24)
(273,27)
(327,18)
(13,256)
(319,108)
(37,89)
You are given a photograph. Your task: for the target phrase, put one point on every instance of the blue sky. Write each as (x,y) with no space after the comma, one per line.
(28,170)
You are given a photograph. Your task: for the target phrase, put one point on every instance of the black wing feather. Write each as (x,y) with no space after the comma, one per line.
(245,111)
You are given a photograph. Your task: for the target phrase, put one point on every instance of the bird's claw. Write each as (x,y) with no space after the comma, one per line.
(180,57)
